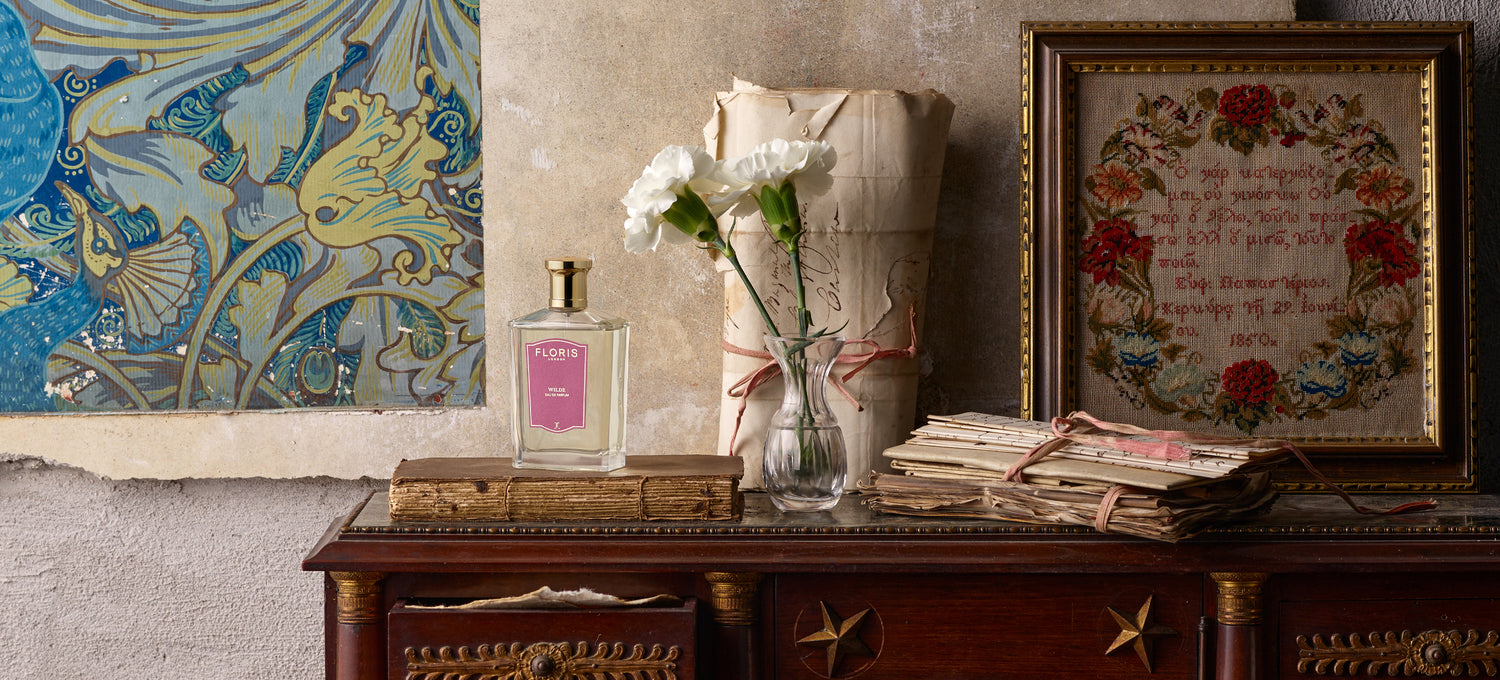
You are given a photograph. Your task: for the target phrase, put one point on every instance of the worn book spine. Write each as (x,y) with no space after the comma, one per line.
(533,499)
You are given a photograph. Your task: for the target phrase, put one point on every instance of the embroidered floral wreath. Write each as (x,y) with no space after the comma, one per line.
(1366,347)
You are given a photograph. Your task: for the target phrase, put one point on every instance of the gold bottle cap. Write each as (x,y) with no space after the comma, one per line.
(569,282)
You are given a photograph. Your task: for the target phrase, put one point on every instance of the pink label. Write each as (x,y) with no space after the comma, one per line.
(558,373)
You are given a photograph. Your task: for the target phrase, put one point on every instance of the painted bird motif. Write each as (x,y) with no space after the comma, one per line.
(31,115)
(31,123)
(30,333)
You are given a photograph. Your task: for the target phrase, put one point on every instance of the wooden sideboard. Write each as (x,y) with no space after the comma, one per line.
(1309,590)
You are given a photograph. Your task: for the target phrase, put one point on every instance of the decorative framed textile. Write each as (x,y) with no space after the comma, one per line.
(1256,231)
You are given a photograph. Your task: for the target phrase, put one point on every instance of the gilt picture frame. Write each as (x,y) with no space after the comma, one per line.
(1258,231)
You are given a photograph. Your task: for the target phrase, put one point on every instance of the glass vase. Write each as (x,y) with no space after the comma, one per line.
(804,464)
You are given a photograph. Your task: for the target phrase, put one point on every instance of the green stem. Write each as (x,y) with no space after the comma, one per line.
(801,289)
(728,252)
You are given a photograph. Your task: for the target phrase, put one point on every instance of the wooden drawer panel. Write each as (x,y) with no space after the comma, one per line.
(964,627)
(586,644)
(1389,626)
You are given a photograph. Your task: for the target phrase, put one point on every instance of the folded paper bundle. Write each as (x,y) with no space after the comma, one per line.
(1076,471)
(1160,484)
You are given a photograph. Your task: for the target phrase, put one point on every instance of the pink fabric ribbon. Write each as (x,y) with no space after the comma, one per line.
(1085,429)
(768,371)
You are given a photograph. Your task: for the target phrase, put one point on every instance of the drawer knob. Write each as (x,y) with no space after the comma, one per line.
(543,666)
(1435,653)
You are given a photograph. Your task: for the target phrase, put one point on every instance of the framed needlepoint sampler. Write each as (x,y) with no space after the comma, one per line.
(1256,231)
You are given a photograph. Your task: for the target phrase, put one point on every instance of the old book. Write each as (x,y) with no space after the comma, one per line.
(491,489)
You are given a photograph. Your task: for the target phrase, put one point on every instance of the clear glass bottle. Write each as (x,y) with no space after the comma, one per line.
(568,375)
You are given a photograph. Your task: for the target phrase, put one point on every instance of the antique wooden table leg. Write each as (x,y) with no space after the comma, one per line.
(361,625)
(736,605)
(1241,615)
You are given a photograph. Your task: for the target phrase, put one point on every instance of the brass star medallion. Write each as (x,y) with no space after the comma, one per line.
(1139,632)
(839,637)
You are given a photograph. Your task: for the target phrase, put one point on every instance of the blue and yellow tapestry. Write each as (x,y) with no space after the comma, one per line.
(221,204)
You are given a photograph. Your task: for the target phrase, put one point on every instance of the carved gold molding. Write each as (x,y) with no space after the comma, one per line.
(358,595)
(1431,653)
(542,661)
(735,596)
(1241,598)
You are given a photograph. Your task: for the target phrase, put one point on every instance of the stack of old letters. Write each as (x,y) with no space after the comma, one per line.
(956,466)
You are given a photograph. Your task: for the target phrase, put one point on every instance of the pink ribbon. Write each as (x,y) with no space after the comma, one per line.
(1083,428)
(768,371)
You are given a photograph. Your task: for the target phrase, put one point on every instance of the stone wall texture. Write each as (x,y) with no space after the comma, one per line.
(199,577)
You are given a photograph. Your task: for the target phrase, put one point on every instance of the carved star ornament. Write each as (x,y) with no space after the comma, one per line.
(840,637)
(1138,632)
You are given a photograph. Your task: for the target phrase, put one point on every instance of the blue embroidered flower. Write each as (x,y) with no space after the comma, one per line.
(1322,377)
(1136,349)
(1358,348)
(1180,380)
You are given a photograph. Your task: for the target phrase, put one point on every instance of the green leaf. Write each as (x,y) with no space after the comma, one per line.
(1192,416)
(1182,140)
(424,327)
(1315,414)
(1353,108)
(1208,98)
(1239,143)
(1220,131)
(772,207)
(1339,325)
(1142,107)
(1151,181)
(1102,357)
(1346,180)
(1172,351)
(1159,328)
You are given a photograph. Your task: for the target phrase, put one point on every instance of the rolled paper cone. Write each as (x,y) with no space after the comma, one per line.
(865,255)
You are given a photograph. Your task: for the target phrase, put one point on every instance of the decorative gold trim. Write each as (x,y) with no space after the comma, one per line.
(358,596)
(1028,222)
(735,596)
(1289,66)
(1430,653)
(1138,632)
(980,528)
(1241,598)
(542,661)
(1214,26)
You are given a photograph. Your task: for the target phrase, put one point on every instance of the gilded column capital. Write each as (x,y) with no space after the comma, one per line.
(1241,597)
(735,596)
(359,595)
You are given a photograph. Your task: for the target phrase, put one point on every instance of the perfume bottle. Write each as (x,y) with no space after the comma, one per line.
(568,371)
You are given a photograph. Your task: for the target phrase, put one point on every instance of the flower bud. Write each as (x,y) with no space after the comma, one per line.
(691,216)
(779,207)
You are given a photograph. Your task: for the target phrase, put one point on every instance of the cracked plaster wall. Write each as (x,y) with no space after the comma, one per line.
(199,577)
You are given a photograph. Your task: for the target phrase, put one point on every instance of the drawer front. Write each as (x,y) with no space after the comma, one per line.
(593,644)
(962,627)
(1408,626)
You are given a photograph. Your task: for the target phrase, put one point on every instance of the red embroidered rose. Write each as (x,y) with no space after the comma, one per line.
(1250,382)
(1383,242)
(1247,105)
(1111,240)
